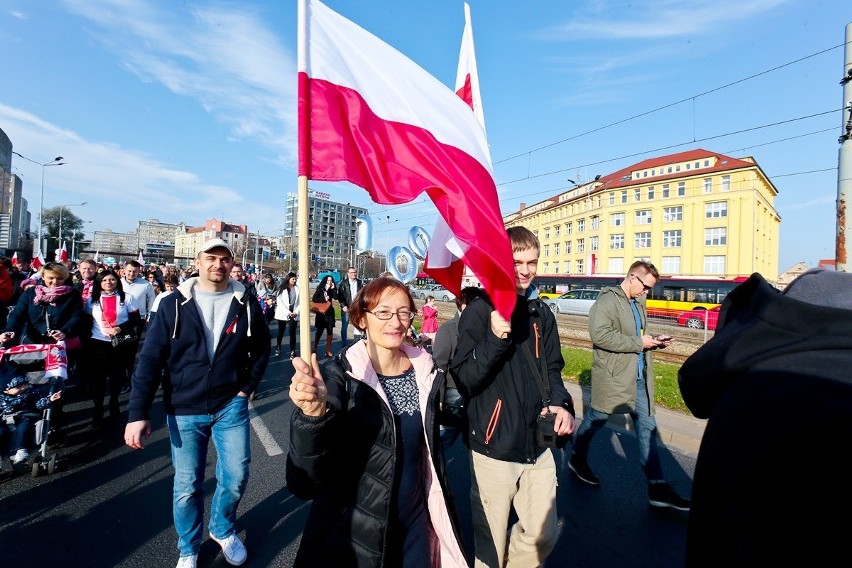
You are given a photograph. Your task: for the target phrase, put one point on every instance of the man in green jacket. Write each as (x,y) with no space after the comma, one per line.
(623,379)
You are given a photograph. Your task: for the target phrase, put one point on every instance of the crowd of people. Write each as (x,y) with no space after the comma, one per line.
(374,420)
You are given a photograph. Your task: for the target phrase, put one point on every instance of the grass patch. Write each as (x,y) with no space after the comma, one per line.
(578,369)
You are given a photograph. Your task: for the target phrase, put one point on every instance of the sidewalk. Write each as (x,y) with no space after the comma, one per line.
(677,430)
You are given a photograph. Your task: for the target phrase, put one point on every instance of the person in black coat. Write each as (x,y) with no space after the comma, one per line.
(326,292)
(771,476)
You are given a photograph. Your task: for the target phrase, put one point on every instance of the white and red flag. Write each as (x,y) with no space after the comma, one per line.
(141,260)
(63,253)
(38,261)
(15,258)
(444,259)
(371,116)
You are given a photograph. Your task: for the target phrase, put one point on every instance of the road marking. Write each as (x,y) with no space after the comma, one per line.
(263,433)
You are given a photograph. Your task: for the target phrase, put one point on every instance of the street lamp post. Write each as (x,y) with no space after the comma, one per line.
(59,232)
(57,161)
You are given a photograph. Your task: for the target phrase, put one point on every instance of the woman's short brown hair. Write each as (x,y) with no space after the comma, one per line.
(370,295)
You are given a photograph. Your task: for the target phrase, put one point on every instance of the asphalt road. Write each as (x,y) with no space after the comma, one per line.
(109,506)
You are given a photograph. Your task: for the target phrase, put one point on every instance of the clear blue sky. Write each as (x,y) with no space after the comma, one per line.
(182,111)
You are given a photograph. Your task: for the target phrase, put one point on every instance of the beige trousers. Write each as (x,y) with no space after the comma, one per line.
(496,487)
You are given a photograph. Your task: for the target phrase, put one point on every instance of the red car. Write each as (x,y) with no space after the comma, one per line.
(699,318)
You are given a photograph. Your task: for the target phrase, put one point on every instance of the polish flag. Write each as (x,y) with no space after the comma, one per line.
(371,116)
(141,260)
(63,253)
(15,258)
(445,257)
(38,261)
(97,254)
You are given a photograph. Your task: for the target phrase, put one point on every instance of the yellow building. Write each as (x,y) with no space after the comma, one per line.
(695,213)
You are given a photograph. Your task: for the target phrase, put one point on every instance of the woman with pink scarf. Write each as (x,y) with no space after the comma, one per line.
(47,312)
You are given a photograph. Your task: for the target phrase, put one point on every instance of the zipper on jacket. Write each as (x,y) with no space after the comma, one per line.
(492,422)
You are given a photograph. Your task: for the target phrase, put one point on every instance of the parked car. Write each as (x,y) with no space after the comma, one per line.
(549,295)
(699,318)
(440,293)
(574,302)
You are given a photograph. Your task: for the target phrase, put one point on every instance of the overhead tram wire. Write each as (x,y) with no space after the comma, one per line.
(669,105)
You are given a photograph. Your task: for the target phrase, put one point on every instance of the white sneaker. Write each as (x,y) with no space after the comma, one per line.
(233,549)
(187,561)
(20,456)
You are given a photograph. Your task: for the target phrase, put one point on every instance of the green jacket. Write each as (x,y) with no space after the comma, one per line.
(615,351)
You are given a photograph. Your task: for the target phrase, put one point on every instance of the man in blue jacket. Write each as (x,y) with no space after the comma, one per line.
(214,343)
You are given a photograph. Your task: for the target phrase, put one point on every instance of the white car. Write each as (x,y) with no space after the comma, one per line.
(439,293)
(574,302)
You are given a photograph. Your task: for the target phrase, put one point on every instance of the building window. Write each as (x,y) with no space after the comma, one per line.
(671,265)
(593,244)
(681,188)
(671,239)
(665,191)
(612,198)
(546,267)
(616,242)
(671,214)
(596,222)
(651,193)
(637,194)
(642,240)
(715,209)
(567,247)
(579,267)
(581,225)
(624,196)
(555,249)
(546,250)
(714,264)
(557,230)
(555,268)
(716,236)
(616,265)
(568,227)
(616,220)
(581,245)
(567,267)
(643,217)
(726,183)
(547,232)
(708,185)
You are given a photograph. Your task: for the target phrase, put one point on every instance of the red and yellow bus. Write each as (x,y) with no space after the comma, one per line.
(671,296)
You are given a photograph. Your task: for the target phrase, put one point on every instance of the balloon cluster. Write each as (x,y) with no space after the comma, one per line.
(401,261)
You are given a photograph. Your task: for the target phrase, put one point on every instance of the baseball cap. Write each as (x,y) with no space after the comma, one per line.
(211,244)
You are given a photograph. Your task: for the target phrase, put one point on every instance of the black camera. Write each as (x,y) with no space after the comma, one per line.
(545,430)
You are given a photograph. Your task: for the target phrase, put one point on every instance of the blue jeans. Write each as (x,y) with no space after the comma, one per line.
(190,437)
(646,433)
(344,326)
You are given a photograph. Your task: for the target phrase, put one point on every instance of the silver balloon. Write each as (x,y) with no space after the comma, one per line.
(402,256)
(364,234)
(418,242)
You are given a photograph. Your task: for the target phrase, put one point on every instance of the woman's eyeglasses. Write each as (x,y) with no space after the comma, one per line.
(404,316)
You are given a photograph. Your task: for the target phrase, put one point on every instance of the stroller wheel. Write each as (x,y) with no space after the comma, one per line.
(51,464)
(36,467)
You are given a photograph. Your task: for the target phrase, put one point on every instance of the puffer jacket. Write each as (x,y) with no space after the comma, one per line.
(617,349)
(495,376)
(345,462)
(176,341)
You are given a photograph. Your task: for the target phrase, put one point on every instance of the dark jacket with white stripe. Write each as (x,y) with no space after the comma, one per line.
(176,341)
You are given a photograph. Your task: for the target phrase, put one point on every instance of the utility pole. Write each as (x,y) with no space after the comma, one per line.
(844,160)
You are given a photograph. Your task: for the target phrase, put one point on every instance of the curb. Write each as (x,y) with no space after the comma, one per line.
(677,430)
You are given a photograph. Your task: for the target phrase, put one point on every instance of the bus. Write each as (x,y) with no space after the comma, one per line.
(671,296)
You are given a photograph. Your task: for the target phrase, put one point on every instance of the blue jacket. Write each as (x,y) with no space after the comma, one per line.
(176,342)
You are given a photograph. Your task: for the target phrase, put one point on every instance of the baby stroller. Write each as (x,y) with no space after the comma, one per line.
(43,365)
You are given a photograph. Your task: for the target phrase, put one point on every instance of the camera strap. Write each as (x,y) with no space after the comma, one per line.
(543,385)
